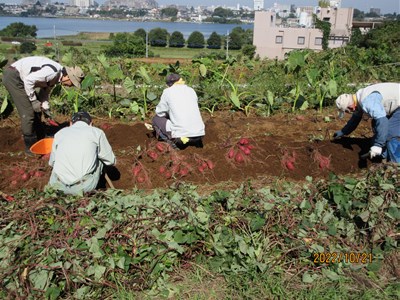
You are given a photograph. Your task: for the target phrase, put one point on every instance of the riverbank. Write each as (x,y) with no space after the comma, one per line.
(55,27)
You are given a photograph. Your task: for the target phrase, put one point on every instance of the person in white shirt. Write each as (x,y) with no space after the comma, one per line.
(178,119)
(78,155)
(29,82)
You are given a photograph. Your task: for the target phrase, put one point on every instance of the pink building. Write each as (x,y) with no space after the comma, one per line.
(274,41)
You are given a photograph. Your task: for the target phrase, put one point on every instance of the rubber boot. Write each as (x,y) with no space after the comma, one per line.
(29,140)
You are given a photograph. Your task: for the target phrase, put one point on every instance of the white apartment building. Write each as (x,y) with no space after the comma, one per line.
(258,4)
(273,40)
(81,3)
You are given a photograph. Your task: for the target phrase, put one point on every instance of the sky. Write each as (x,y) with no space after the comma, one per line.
(386,6)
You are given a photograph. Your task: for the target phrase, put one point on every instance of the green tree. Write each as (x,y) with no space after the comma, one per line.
(177,40)
(235,40)
(214,41)
(169,12)
(249,51)
(222,12)
(356,37)
(19,29)
(158,37)
(127,45)
(141,33)
(27,47)
(358,15)
(196,40)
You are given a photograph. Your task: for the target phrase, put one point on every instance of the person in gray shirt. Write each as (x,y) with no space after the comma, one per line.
(79,153)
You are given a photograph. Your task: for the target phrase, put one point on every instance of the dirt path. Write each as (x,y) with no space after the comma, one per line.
(303,139)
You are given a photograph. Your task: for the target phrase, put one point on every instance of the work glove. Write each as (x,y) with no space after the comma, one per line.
(375,151)
(37,106)
(45,105)
(338,134)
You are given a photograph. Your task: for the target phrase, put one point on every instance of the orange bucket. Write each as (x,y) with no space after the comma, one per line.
(43,146)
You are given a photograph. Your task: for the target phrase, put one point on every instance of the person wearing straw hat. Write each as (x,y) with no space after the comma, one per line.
(178,119)
(381,102)
(78,155)
(29,82)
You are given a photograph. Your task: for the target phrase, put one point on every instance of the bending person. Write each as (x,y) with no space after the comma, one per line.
(78,155)
(382,103)
(21,80)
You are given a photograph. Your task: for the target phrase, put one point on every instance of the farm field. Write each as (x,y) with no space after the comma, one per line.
(272,139)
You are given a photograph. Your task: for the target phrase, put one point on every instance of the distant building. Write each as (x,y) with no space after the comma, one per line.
(81,3)
(258,4)
(274,40)
(375,10)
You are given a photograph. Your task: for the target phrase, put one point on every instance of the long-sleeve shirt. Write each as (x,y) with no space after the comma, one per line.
(45,77)
(180,103)
(76,152)
(379,101)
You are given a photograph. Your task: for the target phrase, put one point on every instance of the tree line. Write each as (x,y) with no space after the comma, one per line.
(134,44)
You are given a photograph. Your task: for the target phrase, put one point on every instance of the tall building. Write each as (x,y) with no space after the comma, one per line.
(81,3)
(258,4)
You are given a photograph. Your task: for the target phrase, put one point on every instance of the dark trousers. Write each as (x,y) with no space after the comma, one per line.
(160,124)
(30,121)
(160,127)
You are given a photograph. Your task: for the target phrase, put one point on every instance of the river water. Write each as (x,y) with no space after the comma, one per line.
(53,27)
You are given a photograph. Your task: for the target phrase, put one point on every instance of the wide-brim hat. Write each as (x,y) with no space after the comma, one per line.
(343,102)
(76,75)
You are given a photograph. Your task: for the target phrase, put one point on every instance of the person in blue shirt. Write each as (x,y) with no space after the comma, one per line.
(381,102)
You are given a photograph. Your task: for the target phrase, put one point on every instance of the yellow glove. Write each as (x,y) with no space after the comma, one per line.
(184,140)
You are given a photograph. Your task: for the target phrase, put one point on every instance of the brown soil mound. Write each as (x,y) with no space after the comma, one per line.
(283,147)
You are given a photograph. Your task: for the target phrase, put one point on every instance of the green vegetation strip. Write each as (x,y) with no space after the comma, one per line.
(87,247)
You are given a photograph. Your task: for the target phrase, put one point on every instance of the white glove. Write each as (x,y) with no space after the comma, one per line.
(375,151)
(45,105)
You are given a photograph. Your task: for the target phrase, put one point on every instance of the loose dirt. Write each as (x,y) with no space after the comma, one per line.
(303,139)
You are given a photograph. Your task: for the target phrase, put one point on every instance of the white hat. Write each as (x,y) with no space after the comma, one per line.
(76,75)
(343,102)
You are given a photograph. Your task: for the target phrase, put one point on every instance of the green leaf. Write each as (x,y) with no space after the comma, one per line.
(235,99)
(257,223)
(151,96)
(87,82)
(377,201)
(114,72)
(143,73)
(179,237)
(270,97)
(52,293)
(82,292)
(330,274)
(365,215)
(203,70)
(375,265)
(121,263)
(243,247)
(40,278)
(393,212)
(307,278)
(129,85)
(4,105)
(93,243)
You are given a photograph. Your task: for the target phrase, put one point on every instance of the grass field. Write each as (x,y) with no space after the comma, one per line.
(96,42)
